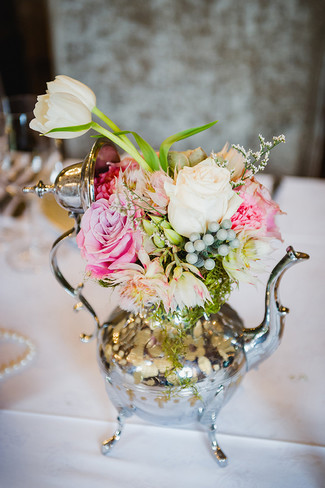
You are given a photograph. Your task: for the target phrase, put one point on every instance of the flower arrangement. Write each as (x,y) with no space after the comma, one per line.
(171,231)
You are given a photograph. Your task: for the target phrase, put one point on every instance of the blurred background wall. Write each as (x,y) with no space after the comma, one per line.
(160,66)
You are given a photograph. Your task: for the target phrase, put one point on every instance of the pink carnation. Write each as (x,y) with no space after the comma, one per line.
(107,239)
(258,210)
(247,216)
(105,183)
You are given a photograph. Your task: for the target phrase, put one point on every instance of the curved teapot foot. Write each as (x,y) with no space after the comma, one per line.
(108,444)
(220,456)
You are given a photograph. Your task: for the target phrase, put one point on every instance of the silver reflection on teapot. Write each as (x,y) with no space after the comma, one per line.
(137,372)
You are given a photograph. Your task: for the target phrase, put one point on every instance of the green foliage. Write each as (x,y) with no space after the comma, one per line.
(219,285)
(167,143)
(173,345)
(104,284)
(174,392)
(174,350)
(148,152)
(73,128)
(123,142)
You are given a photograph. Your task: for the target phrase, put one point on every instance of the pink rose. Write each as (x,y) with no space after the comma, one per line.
(107,239)
(258,210)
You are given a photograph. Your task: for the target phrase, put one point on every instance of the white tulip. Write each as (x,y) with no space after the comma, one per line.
(65,84)
(200,195)
(60,110)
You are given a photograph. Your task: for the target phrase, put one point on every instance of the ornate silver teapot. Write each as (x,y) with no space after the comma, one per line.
(150,368)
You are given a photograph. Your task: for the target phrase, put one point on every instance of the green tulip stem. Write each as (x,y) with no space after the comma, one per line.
(105,119)
(124,144)
(111,124)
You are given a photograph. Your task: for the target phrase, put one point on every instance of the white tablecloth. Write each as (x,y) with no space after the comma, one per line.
(55,412)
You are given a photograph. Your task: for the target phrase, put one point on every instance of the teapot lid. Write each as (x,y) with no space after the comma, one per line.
(74,186)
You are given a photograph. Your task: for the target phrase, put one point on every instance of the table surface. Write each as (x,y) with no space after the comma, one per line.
(55,412)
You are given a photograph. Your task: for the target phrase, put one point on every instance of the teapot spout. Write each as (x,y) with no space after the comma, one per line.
(260,342)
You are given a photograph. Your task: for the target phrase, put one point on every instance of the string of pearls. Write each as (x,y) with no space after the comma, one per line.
(20,361)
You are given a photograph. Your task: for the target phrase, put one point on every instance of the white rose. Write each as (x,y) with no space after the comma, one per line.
(66,103)
(201,194)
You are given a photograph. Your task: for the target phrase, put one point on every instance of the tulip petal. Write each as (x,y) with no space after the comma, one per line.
(65,84)
(61,111)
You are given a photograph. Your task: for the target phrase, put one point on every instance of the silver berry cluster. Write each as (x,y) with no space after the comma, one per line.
(218,240)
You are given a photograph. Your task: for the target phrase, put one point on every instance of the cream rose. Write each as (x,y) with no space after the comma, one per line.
(201,194)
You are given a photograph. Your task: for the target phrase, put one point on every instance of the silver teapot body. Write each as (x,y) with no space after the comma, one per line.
(141,376)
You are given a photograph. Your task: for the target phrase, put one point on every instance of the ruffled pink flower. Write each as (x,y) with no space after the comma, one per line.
(257,211)
(107,239)
(130,163)
(155,191)
(186,290)
(248,215)
(141,286)
(235,161)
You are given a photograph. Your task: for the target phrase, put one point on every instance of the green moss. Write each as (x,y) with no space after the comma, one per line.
(173,344)
(104,283)
(175,391)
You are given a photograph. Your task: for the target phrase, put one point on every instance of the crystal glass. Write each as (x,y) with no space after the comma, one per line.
(26,157)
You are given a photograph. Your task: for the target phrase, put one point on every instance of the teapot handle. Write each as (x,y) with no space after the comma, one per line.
(74,292)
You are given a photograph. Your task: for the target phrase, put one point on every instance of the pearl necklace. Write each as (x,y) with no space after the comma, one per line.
(22,360)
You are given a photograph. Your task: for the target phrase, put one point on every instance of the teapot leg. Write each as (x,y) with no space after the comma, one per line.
(108,444)
(220,456)
(207,417)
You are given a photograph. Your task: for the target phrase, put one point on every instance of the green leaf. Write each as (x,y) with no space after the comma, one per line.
(156,219)
(167,143)
(149,227)
(148,152)
(124,144)
(158,242)
(173,237)
(74,128)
